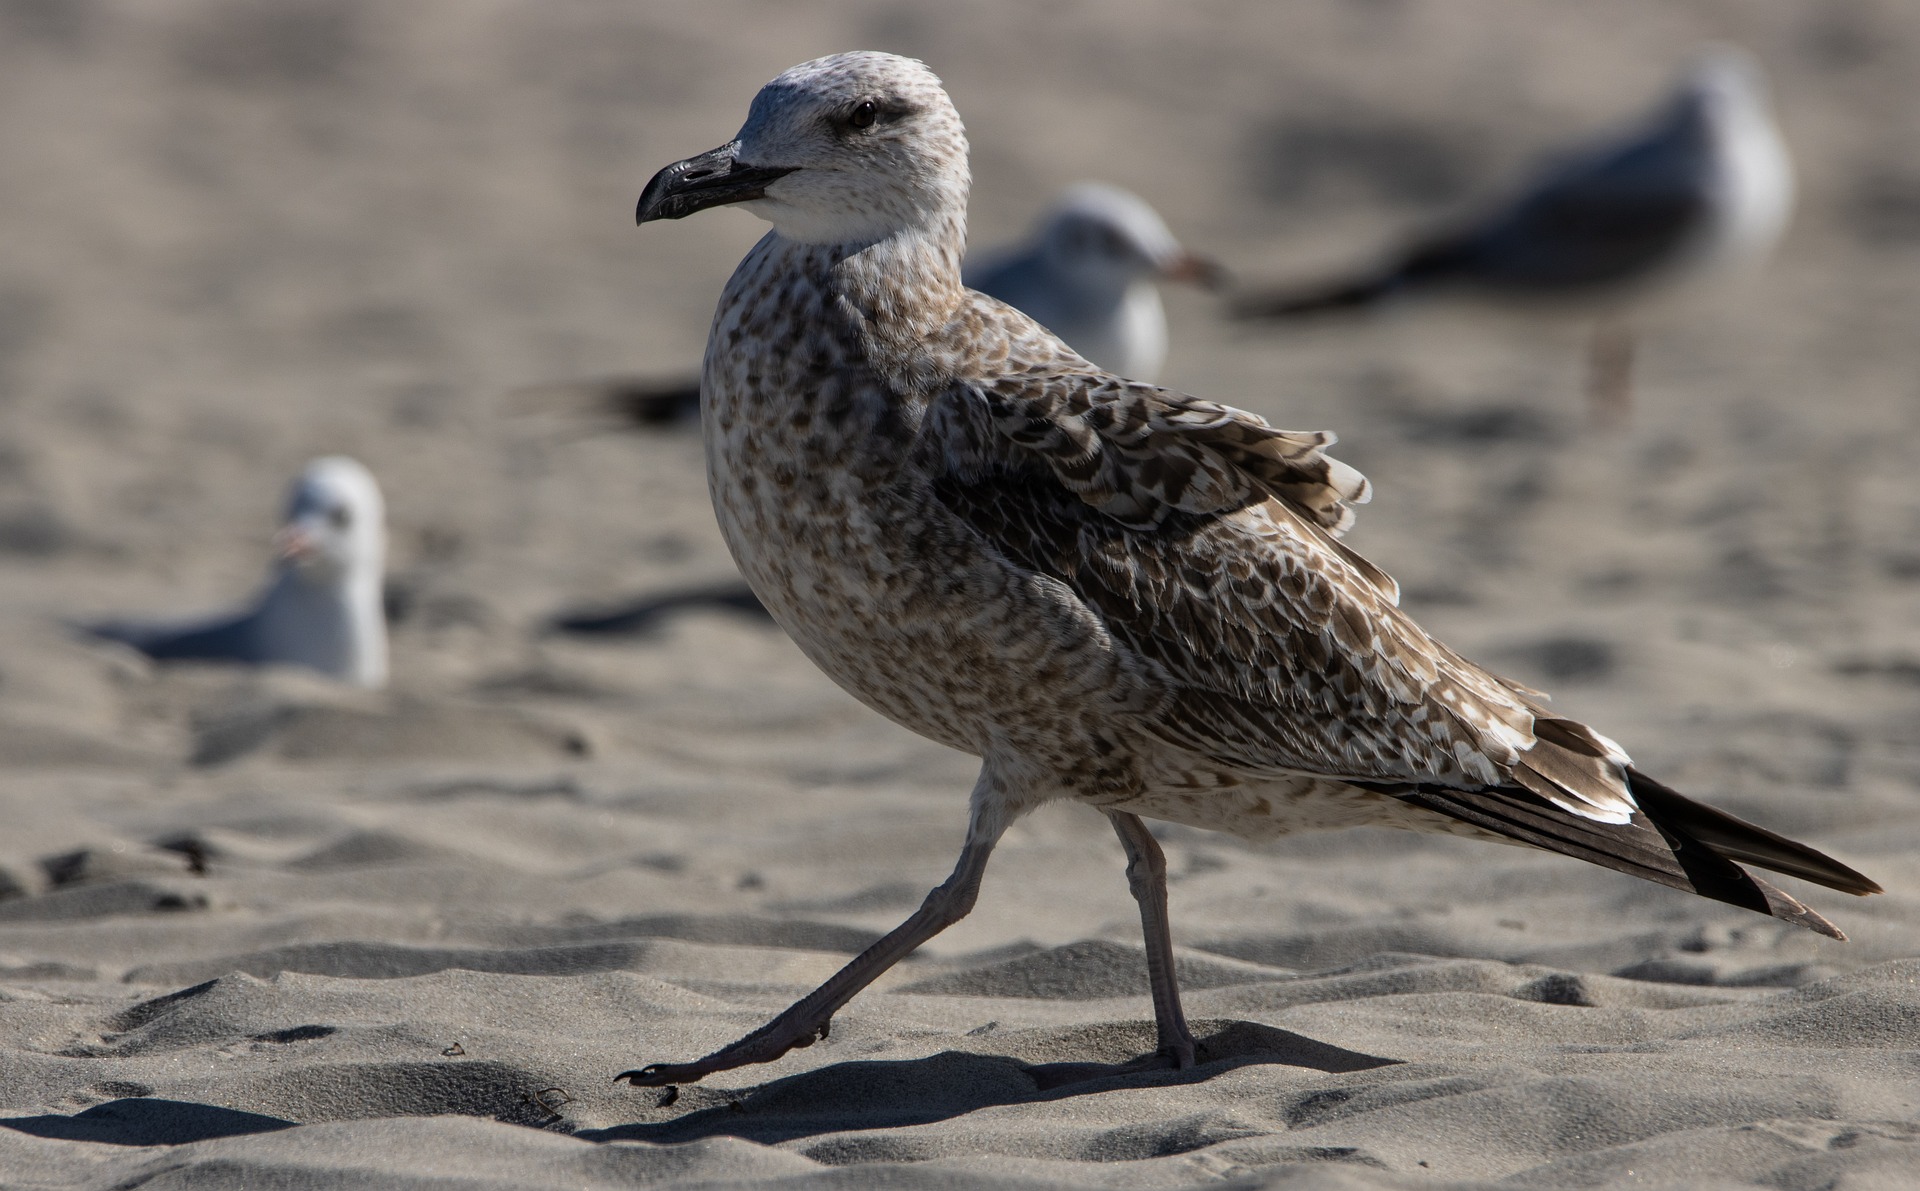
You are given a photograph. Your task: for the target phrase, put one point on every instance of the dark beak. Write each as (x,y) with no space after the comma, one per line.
(712,179)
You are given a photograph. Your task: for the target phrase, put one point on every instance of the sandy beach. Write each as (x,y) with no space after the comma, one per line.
(260,929)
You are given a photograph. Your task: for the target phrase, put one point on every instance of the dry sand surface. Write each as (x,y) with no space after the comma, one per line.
(257,930)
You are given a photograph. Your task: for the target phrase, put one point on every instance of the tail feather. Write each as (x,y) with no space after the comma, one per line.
(650,403)
(1670,841)
(230,637)
(1448,257)
(1740,840)
(1329,298)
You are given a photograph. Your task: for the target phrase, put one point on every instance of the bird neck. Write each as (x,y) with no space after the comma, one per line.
(905,284)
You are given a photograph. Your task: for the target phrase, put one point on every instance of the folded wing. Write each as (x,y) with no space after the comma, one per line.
(1204,540)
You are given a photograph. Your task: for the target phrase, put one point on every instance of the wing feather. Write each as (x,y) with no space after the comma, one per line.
(1136,452)
(1273,652)
(1206,541)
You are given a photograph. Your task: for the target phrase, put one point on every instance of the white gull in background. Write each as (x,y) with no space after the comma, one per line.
(1701,190)
(1088,274)
(320,609)
(1107,591)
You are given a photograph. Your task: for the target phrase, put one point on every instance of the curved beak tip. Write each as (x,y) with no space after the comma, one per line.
(712,179)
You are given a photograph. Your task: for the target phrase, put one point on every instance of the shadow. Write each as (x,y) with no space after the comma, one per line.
(1233,1044)
(146,1121)
(645,615)
(893,1094)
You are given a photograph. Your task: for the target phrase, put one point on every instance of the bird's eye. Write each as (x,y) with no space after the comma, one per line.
(863,114)
(339,518)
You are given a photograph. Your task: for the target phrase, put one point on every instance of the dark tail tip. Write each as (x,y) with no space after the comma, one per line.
(1737,839)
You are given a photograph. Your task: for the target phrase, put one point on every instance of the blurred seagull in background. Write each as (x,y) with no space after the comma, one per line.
(321,608)
(1087,274)
(1702,189)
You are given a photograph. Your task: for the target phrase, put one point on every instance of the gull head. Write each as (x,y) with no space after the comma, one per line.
(335,527)
(1725,82)
(1105,237)
(849,148)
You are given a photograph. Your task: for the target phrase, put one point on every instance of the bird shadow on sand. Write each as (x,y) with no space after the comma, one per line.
(147,1121)
(646,614)
(890,1094)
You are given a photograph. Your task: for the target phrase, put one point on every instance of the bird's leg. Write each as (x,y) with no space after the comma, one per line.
(1610,374)
(809,1018)
(1147,877)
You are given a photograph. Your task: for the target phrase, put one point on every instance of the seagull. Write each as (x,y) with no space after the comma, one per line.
(1087,273)
(1105,590)
(321,608)
(1699,190)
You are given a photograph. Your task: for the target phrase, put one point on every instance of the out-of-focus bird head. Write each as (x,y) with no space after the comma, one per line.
(1725,82)
(844,149)
(335,527)
(1102,235)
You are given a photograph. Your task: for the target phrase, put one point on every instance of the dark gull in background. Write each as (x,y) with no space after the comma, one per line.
(1700,190)
(1107,591)
(321,608)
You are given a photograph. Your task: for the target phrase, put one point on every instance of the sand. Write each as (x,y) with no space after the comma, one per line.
(258,930)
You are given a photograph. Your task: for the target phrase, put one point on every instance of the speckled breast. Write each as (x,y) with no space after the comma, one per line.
(809,462)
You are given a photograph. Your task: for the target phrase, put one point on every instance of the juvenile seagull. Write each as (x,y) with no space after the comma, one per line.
(321,608)
(1700,189)
(1105,590)
(1087,275)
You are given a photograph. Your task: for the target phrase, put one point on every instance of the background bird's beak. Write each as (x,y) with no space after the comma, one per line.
(1196,270)
(713,179)
(294,544)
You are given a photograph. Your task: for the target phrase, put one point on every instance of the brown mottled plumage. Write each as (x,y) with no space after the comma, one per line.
(1105,590)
